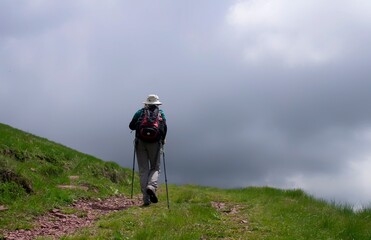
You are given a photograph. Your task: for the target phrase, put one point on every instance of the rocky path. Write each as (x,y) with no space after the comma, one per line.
(55,223)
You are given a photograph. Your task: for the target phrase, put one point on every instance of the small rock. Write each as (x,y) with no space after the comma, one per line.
(3,208)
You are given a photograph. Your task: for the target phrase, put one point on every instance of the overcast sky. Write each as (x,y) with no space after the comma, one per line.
(256,92)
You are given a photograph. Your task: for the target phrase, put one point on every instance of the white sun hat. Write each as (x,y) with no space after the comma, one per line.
(152,99)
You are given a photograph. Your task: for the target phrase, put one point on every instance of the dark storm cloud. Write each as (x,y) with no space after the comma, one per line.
(255,92)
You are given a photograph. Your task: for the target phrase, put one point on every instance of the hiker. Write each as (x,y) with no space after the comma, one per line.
(150,128)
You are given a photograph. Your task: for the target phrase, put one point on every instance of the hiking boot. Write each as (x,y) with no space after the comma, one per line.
(146,201)
(146,204)
(152,195)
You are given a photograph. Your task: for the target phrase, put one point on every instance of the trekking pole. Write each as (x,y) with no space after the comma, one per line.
(167,191)
(132,177)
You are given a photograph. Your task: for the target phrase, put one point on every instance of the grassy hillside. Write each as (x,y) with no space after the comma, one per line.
(33,168)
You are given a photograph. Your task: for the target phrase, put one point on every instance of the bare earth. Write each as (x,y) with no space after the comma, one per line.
(56,223)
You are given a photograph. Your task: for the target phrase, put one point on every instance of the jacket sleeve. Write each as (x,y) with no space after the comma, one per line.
(164,125)
(165,130)
(134,121)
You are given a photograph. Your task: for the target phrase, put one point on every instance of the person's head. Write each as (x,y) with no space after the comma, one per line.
(152,101)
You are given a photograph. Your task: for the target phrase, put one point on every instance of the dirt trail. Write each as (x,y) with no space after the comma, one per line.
(55,223)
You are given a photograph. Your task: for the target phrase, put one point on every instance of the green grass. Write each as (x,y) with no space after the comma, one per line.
(44,165)
(251,213)
(196,212)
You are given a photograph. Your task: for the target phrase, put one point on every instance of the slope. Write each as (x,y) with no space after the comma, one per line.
(37,175)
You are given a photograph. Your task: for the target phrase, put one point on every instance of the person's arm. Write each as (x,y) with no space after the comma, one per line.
(134,121)
(163,137)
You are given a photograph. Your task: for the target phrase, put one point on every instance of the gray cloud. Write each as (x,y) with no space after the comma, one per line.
(255,92)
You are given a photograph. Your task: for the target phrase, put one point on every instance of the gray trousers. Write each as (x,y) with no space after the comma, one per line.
(148,155)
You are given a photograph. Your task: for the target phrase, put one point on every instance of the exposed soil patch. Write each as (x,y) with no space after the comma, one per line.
(23,156)
(10,176)
(19,156)
(227,208)
(231,210)
(58,223)
(3,208)
(73,187)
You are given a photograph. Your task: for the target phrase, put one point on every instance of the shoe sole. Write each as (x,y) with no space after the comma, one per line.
(152,196)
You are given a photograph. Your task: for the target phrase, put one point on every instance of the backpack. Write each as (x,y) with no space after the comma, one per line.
(150,125)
